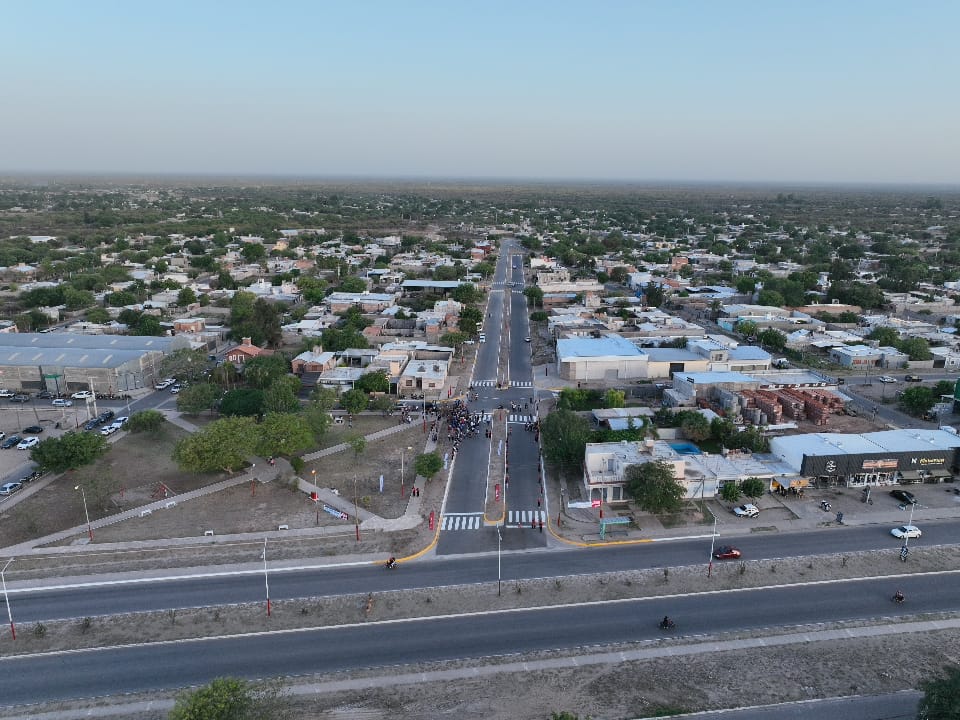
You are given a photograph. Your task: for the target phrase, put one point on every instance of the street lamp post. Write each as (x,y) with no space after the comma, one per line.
(499,576)
(316,492)
(86,512)
(266,579)
(3,580)
(356,507)
(402,450)
(713,539)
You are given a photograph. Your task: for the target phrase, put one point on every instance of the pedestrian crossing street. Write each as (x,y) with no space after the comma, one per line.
(474,521)
(521,418)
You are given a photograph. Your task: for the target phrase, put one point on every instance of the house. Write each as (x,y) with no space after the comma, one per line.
(423,377)
(864,356)
(245,351)
(313,361)
(606,358)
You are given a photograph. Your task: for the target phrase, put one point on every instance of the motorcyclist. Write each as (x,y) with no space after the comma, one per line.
(391,562)
(666,622)
(898,596)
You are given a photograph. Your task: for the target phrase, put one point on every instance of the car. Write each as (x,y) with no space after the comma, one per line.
(482,338)
(108,430)
(748,510)
(526,339)
(904,496)
(727,552)
(886,379)
(91,424)
(45,395)
(913,378)
(20,399)
(105,415)
(32,430)
(10,488)
(175,389)
(10,442)
(7,393)
(120,421)
(82,395)
(28,443)
(906,531)
(60,402)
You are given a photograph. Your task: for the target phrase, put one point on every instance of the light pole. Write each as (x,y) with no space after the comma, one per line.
(402,450)
(3,580)
(499,538)
(266,580)
(316,492)
(713,539)
(356,507)
(86,512)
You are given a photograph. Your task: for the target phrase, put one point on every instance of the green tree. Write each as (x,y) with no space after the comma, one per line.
(313,290)
(335,340)
(941,696)
(380,403)
(885,336)
(564,435)
(773,339)
(373,382)
(654,487)
(746,285)
(186,296)
(231,699)
(253,252)
(469,321)
(655,295)
(283,434)
(428,464)
(184,364)
(747,328)
(695,426)
(534,295)
(453,339)
(281,396)
(222,445)
(917,400)
(69,451)
(195,399)
(916,348)
(354,401)
(614,398)
(753,487)
(730,492)
(352,284)
(539,316)
(358,443)
(242,402)
(263,371)
(770,298)
(324,399)
(466,293)
(98,315)
(146,421)
(148,325)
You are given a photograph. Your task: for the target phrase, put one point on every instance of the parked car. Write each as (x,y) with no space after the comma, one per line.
(105,415)
(20,399)
(886,379)
(4,393)
(33,430)
(60,402)
(748,510)
(727,552)
(10,442)
(913,378)
(175,389)
(906,531)
(10,488)
(91,424)
(82,395)
(120,421)
(44,395)
(904,496)
(526,339)
(108,430)
(28,443)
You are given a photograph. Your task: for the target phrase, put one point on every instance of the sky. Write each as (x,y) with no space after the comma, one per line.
(846,91)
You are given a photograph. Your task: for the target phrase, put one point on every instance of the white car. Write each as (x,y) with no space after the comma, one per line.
(119,422)
(906,531)
(10,488)
(28,443)
(60,402)
(175,389)
(886,379)
(108,430)
(82,395)
(7,393)
(747,510)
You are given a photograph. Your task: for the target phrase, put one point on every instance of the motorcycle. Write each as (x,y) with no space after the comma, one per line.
(898,597)
(391,564)
(667,624)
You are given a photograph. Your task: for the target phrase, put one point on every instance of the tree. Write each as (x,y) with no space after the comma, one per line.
(470,319)
(564,435)
(695,426)
(184,364)
(885,336)
(231,699)
(916,348)
(352,284)
(283,434)
(917,400)
(335,340)
(773,339)
(466,293)
(242,402)
(354,401)
(753,487)
(941,696)
(255,318)
(428,464)
(69,451)
(373,382)
(654,487)
(253,252)
(534,295)
(614,398)
(380,403)
(538,316)
(453,339)
(281,396)
(147,325)
(98,315)
(655,295)
(770,298)
(358,443)
(186,296)
(324,399)
(262,371)
(146,421)
(222,445)
(747,328)
(746,285)
(194,399)
(730,492)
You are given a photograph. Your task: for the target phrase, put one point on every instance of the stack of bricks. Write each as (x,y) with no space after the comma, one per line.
(792,405)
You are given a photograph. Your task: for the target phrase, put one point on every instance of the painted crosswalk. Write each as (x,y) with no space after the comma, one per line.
(526,517)
(484,383)
(521,418)
(462,521)
(521,384)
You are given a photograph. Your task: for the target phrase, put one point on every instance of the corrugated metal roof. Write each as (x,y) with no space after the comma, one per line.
(609,346)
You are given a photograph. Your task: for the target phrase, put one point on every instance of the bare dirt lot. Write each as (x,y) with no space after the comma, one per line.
(796,671)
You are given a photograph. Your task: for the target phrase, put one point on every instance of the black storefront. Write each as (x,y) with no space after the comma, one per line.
(883,468)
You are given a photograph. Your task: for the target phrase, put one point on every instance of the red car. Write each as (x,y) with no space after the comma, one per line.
(727,552)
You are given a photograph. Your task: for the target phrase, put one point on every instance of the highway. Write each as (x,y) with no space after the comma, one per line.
(494,633)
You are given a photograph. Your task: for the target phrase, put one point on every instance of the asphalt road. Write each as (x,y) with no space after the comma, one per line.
(222,588)
(161,666)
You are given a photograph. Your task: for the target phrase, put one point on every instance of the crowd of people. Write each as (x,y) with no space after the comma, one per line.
(461,423)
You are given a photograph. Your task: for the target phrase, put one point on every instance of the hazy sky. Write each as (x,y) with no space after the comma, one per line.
(845,91)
